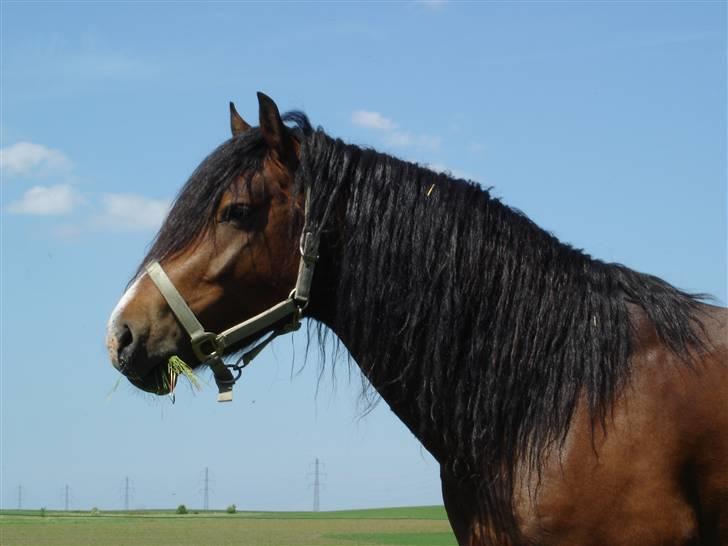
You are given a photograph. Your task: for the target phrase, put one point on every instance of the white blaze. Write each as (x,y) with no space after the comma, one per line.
(112,342)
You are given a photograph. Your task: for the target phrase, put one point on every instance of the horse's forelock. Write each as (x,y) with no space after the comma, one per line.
(194,207)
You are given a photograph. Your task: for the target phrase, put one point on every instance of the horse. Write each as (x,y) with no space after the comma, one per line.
(568,401)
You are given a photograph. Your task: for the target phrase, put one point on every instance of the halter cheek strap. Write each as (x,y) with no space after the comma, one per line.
(209,347)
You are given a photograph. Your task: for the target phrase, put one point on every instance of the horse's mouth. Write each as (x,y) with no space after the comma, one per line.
(156,381)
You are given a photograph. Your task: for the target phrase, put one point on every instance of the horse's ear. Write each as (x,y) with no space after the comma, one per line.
(276,135)
(237,124)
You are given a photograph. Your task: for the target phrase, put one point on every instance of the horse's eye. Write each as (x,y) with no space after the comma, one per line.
(237,214)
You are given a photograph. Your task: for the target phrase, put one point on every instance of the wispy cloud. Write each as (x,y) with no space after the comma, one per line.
(372,120)
(405,139)
(64,61)
(392,134)
(30,159)
(47,201)
(131,212)
(108,65)
(431,4)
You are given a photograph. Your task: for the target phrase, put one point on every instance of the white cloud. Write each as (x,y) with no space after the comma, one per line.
(393,136)
(117,211)
(428,141)
(29,159)
(372,120)
(405,139)
(129,212)
(399,139)
(432,4)
(47,201)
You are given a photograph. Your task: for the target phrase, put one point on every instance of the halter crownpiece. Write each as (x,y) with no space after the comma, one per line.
(209,347)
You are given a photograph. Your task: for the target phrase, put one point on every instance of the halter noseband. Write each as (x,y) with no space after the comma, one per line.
(209,347)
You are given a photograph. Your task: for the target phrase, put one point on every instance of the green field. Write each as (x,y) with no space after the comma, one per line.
(418,526)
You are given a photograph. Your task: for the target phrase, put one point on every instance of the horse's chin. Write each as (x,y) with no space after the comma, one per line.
(151,373)
(155,381)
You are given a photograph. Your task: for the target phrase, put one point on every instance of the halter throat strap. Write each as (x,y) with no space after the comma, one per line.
(209,347)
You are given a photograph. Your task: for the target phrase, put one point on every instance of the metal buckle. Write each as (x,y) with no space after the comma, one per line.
(308,247)
(206,347)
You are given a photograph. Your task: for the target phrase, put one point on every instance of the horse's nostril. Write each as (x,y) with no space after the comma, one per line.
(126,345)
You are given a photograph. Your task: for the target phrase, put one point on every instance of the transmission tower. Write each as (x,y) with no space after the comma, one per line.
(66,496)
(20,497)
(208,486)
(317,484)
(316,487)
(126,494)
(207,489)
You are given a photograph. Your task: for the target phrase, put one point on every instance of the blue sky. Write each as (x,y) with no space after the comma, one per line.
(604,122)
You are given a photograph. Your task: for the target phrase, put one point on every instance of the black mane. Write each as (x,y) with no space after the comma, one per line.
(479,326)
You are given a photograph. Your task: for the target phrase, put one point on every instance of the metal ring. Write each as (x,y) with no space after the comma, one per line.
(235,369)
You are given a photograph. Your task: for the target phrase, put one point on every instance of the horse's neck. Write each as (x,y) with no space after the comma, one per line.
(395,397)
(323,309)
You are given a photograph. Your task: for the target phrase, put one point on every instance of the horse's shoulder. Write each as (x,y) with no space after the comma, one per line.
(616,485)
(662,450)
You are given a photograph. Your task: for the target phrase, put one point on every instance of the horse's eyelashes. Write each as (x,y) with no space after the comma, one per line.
(238,214)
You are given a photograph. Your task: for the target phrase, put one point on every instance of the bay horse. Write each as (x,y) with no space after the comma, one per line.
(567,400)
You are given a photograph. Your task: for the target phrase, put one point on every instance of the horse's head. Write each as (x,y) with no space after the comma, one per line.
(229,245)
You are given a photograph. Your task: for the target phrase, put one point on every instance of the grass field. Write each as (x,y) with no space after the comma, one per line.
(418,526)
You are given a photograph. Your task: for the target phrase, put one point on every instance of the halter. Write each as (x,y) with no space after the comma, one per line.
(209,347)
